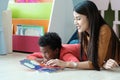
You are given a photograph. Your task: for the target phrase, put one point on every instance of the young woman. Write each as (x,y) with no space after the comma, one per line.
(98,41)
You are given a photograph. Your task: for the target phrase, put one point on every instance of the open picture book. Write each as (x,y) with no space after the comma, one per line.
(39,67)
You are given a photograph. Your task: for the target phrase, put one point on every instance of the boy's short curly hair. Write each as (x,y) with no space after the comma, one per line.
(51,39)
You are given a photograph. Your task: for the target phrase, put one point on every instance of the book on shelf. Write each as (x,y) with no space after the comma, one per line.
(30,30)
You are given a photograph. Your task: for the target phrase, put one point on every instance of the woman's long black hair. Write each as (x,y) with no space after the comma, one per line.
(95,20)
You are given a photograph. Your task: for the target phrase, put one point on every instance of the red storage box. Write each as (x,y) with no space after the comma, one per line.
(25,43)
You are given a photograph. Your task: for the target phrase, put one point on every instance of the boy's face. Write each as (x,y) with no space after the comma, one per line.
(48,53)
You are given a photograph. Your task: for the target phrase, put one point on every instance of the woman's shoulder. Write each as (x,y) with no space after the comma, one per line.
(105,29)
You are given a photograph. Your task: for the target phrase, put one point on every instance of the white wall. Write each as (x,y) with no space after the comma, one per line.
(7,27)
(61,20)
(3,6)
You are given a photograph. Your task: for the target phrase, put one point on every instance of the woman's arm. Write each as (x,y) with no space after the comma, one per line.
(80,65)
(70,64)
(103,44)
(73,62)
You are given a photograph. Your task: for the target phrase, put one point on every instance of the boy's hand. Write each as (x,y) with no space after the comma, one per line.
(40,60)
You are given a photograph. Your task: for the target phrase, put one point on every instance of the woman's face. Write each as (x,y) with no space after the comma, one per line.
(81,22)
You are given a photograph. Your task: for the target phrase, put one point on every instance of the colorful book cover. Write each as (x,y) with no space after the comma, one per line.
(39,67)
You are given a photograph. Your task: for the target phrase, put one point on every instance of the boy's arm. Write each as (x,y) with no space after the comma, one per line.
(34,56)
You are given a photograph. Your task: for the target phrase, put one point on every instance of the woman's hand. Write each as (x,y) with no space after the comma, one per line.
(56,62)
(110,64)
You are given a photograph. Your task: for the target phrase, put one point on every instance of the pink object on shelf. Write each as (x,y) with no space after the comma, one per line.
(25,43)
(20,1)
(27,1)
(32,1)
(46,0)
